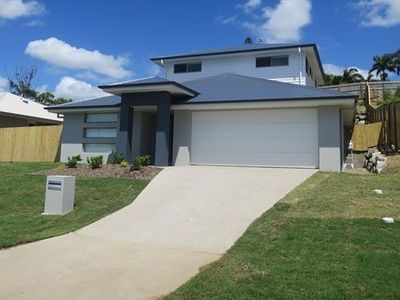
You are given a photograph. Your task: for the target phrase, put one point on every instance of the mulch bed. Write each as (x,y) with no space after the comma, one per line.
(148,172)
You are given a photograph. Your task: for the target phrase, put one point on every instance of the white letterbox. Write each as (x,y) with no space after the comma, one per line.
(60,195)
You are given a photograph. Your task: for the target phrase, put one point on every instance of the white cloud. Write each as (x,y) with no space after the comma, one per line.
(13,9)
(228,20)
(74,89)
(338,70)
(154,70)
(250,5)
(61,54)
(383,13)
(3,84)
(284,22)
(35,23)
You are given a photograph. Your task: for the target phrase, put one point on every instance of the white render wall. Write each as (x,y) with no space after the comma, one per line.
(244,64)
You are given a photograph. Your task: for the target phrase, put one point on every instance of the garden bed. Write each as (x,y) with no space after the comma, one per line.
(109,170)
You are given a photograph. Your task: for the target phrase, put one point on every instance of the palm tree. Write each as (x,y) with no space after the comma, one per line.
(396,61)
(351,75)
(382,65)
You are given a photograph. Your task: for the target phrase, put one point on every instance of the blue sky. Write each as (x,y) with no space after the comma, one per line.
(78,45)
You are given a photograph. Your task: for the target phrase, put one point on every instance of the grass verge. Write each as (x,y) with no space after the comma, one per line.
(22,202)
(324,240)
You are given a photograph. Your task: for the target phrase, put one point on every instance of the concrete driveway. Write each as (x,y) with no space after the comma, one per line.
(187,217)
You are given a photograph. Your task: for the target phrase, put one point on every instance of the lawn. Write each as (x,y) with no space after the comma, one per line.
(324,240)
(22,202)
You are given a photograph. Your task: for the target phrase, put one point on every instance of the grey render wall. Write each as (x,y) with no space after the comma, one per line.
(72,137)
(71,141)
(182,138)
(330,139)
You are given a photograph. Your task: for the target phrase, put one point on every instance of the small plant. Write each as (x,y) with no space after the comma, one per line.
(144,160)
(117,158)
(60,166)
(72,161)
(123,164)
(95,162)
(136,165)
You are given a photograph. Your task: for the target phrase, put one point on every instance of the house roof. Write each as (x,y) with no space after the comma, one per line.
(140,81)
(232,50)
(150,84)
(230,87)
(227,88)
(21,107)
(105,101)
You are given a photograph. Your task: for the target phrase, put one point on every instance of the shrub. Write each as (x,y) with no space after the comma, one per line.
(95,162)
(117,158)
(123,164)
(144,160)
(72,161)
(136,165)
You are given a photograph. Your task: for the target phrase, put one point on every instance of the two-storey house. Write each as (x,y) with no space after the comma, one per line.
(252,105)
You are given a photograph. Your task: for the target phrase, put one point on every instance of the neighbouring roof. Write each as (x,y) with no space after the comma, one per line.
(21,107)
(230,87)
(151,84)
(232,50)
(227,87)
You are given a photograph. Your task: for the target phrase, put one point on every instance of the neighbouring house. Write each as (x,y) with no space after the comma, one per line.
(16,111)
(252,105)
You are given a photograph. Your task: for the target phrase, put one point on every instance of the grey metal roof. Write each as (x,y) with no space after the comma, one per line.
(237,88)
(107,101)
(140,81)
(236,49)
(156,82)
(228,87)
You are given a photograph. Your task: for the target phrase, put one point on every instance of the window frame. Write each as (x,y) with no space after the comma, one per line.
(84,145)
(94,122)
(187,67)
(271,59)
(99,137)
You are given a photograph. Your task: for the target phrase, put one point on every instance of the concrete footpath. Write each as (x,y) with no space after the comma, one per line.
(186,218)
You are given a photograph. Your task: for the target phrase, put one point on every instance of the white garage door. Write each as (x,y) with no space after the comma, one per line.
(272,137)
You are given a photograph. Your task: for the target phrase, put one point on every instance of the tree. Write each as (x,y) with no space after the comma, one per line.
(382,65)
(396,61)
(20,83)
(47,98)
(351,75)
(331,79)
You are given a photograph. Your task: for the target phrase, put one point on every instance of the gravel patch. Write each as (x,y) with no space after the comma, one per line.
(148,172)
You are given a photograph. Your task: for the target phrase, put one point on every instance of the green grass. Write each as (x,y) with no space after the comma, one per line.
(325,240)
(22,202)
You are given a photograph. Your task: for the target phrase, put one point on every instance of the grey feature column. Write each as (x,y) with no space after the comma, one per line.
(124,138)
(162,146)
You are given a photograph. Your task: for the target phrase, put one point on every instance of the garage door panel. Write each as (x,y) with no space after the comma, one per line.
(258,159)
(265,116)
(292,130)
(275,137)
(255,145)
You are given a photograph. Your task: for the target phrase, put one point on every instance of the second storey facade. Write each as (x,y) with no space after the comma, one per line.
(296,64)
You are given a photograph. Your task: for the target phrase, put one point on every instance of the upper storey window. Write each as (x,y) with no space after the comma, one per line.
(272,61)
(187,68)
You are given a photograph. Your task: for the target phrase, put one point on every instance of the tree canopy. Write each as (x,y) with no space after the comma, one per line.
(21,84)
